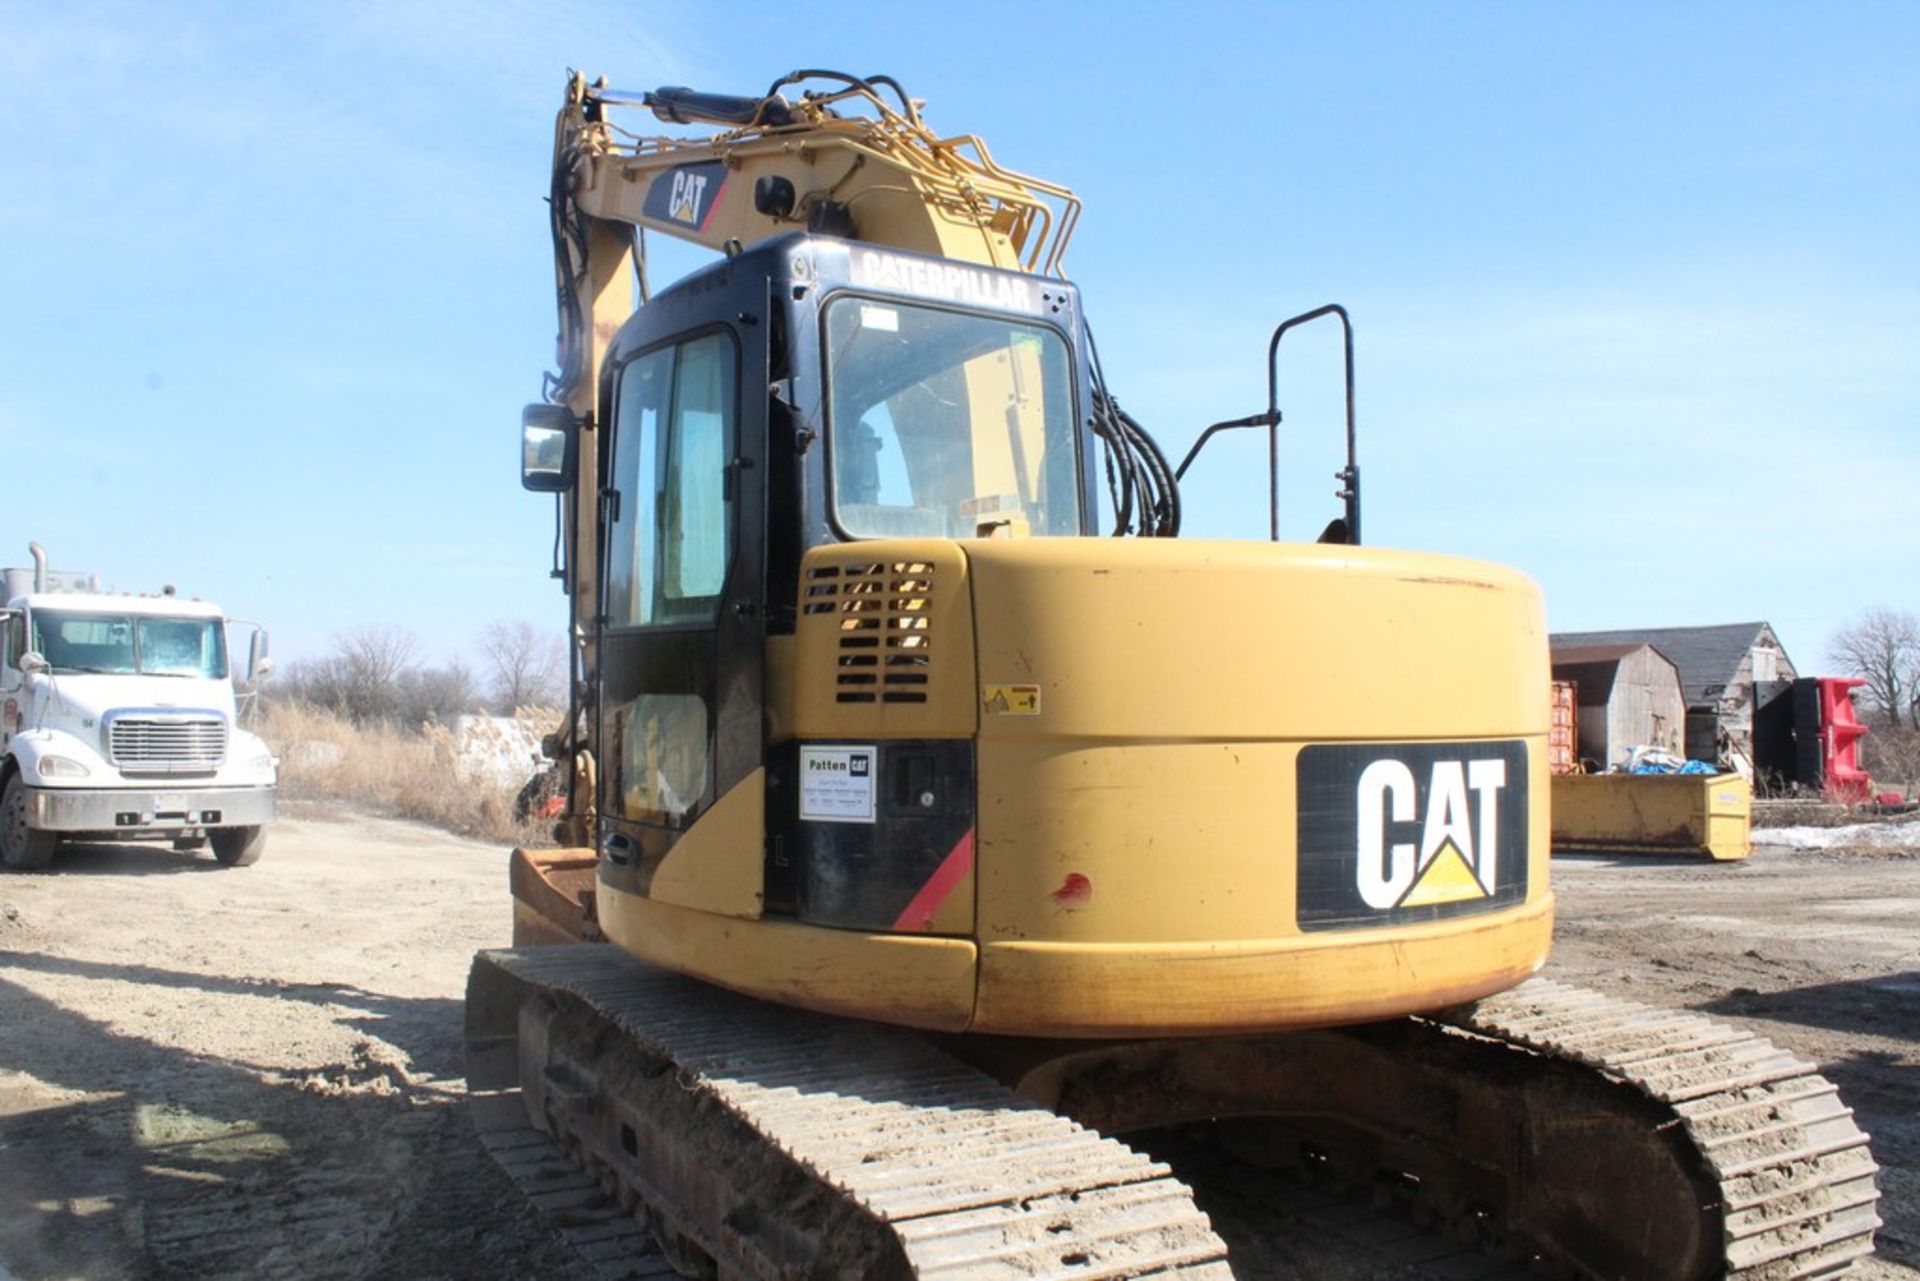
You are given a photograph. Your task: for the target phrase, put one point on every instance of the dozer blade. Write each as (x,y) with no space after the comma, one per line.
(763,1141)
(552,897)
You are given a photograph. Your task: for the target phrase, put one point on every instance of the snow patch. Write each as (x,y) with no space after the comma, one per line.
(1902,834)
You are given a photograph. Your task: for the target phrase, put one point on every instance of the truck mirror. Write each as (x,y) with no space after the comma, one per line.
(548,441)
(259,665)
(33,661)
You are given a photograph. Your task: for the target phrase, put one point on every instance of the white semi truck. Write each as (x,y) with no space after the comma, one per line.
(118,722)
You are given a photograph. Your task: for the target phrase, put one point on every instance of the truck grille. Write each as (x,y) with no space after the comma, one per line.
(161,742)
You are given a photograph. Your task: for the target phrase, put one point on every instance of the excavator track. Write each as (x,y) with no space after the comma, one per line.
(1607,1138)
(764,1141)
(1795,1180)
(1598,1136)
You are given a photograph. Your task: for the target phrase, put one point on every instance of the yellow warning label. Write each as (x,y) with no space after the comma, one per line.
(1447,879)
(1013,700)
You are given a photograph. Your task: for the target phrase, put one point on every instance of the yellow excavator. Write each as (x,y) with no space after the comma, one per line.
(937,818)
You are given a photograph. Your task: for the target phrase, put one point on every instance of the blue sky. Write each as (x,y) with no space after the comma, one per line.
(1637,287)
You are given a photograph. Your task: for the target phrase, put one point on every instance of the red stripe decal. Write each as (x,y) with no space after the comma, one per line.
(713,205)
(946,878)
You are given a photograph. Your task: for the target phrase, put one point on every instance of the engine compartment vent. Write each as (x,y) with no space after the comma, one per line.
(886,637)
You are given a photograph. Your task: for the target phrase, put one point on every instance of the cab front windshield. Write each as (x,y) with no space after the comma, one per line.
(129,644)
(948,424)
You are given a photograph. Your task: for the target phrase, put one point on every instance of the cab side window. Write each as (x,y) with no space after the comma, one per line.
(670,539)
(16,642)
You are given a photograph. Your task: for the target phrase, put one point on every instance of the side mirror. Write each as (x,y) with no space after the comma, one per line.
(259,665)
(549,443)
(33,661)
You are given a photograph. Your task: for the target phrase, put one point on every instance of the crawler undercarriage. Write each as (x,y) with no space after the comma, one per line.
(1595,1136)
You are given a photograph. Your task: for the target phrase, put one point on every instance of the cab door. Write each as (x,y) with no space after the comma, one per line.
(13,643)
(682,636)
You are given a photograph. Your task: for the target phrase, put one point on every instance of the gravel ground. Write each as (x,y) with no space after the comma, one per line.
(254,1072)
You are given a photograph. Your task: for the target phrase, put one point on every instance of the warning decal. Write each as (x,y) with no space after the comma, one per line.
(1012,700)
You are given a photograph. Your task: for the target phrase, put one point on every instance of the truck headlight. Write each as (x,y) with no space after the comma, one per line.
(62,767)
(264,761)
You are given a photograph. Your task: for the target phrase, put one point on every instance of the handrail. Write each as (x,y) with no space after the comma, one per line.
(1349,476)
(1252,420)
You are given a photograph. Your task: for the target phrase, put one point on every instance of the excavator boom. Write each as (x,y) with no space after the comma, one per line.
(843,162)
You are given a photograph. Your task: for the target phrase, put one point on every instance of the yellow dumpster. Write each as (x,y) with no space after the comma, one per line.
(1706,814)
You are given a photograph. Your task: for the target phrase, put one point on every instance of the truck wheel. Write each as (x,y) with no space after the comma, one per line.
(238,846)
(21,847)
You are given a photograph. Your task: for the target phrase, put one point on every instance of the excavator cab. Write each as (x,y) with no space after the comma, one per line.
(807,393)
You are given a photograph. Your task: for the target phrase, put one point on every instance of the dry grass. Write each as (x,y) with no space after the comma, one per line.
(412,775)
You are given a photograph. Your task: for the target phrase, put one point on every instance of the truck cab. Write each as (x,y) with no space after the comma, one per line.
(118,722)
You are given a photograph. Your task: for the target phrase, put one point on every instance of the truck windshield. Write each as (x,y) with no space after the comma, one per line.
(123,644)
(948,424)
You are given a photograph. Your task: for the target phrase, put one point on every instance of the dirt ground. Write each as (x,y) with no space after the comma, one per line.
(251,1071)
(255,1072)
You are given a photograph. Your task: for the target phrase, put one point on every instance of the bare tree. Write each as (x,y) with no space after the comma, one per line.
(375,660)
(435,693)
(1892,757)
(1882,647)
(307,680)
(361,678)
(524,665)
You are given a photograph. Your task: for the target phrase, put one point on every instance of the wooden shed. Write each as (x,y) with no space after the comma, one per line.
(1628,696)
(1726,671)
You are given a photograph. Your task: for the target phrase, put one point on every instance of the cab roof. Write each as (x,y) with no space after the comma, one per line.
(147,606)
